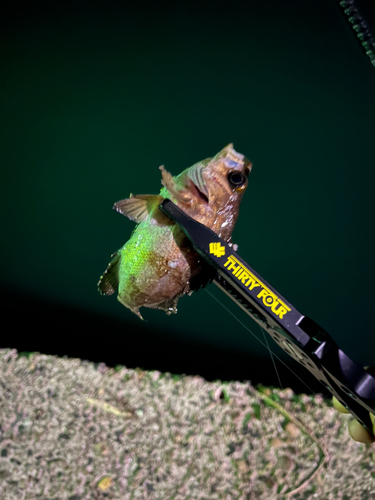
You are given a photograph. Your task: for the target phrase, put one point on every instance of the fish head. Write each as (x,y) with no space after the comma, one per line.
(218,185)
(222,178)
(211,190)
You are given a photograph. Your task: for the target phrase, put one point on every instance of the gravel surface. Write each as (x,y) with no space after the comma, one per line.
(71,429)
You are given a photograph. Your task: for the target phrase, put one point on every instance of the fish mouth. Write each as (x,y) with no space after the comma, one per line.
(199,193)
(195,174)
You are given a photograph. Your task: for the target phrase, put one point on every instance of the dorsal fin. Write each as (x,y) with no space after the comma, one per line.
(169,183)
(108,283)
(137,207)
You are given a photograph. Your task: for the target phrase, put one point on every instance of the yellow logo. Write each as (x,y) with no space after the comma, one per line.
(270,299)
(217,249)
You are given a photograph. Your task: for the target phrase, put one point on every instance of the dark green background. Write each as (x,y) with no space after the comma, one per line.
(95,96)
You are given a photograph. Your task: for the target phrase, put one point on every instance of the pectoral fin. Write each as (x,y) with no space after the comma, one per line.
(108,283)
(138,207)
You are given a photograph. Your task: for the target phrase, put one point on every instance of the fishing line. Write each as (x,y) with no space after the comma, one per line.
(258,339)
(271,354)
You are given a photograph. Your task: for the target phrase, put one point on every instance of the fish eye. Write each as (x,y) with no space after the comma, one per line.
(237,179)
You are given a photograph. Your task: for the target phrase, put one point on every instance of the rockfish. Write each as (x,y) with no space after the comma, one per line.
(157,265)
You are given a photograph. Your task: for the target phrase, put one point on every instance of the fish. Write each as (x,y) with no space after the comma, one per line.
(158,265)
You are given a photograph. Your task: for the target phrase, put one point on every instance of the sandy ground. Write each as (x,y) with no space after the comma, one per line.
(74,430)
